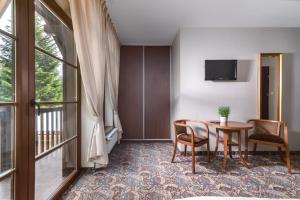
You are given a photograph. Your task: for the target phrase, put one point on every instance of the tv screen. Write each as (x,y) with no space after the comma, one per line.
(220,70)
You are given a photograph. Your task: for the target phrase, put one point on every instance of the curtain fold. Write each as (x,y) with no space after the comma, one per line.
(3,6)
(113,70)
(89,33)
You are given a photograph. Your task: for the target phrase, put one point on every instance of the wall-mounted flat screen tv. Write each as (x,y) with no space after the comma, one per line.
(219,70)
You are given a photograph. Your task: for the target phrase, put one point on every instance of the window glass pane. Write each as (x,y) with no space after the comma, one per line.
(7,69)
(53,169)
(6,15)
(52,35)
(54,124)
(7,134)
(55,81)
(6,188)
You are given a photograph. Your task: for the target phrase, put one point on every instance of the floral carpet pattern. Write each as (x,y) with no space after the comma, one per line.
(144,171)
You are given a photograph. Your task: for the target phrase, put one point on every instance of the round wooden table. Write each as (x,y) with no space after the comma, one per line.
(228,129)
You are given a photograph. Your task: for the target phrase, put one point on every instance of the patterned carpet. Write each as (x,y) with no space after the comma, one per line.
(144,171)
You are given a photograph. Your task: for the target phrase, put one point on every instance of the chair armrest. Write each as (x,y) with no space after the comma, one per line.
(186,126)
(204,124)
(183,125)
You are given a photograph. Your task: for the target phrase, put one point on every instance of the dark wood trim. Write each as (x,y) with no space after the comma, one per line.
(7,174)
(31,95)
(55,57)
(270,54)
(57,102)
(24,172)
(42,155)
(24,26)
(8,104)
(8,34)
(59,12)
(65,185)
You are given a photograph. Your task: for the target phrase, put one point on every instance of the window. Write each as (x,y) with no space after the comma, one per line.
(56,96)
(7,100)
(51,127)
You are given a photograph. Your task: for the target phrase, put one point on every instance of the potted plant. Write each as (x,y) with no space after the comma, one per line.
(224,112)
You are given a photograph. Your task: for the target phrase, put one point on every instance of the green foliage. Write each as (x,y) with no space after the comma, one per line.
(48,81)
(224,111)
(6,69)
(48,71)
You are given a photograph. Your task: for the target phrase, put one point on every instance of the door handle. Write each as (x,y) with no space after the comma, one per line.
(34,104)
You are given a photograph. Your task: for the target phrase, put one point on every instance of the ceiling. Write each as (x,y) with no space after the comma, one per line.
(156,22)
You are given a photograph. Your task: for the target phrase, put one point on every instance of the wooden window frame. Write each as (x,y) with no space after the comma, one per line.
(65,19)
(25,114)
(14,171)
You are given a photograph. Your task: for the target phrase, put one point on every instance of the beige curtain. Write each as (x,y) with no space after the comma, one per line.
(90,38)
(3,6)
(113,69)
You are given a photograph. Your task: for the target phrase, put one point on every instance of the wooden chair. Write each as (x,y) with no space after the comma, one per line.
(184,134)
(268,132)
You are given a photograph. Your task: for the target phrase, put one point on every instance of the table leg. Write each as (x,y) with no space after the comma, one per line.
(217,142)
(230,146)
(240,150)
(246,145)
(225,148)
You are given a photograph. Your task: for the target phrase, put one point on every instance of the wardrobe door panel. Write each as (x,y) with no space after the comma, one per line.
(157,92)
(131,91)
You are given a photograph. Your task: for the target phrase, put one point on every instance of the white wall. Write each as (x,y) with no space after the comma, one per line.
(194,98)
(175,80)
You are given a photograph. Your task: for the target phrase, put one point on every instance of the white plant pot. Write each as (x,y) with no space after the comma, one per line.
(223,120)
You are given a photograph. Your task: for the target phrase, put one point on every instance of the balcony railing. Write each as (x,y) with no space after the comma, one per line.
(49,128)
(6,137)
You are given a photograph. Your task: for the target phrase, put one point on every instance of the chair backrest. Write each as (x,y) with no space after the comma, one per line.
(269,127)
(180,129)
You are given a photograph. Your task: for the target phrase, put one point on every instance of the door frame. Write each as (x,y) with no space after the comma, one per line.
(280,66)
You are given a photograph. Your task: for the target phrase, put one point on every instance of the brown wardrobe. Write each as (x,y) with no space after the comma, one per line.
(144,92)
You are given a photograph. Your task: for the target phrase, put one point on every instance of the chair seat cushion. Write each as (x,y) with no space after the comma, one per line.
(267,138)
(188,138)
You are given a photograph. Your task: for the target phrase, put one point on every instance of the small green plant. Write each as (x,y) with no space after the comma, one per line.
(224,111)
